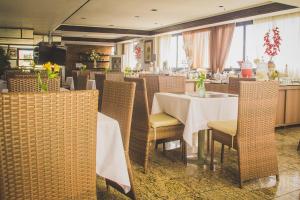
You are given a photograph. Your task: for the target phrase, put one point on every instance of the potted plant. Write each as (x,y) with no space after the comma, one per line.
(4,63)
(200,84)
(272,42)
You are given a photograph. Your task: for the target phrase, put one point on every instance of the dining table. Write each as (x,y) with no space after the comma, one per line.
(195,111)
(91,84)
(110,154)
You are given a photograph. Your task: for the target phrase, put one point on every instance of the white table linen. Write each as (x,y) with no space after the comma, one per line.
(111,161)
(91,84)
(195,112)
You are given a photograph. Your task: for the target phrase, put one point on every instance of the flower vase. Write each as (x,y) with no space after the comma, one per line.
(271,64)
(202,91)
(95,63)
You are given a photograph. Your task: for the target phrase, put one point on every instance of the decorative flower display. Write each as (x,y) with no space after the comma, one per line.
(52,69)
(272,42)
(138,52)
(94,56)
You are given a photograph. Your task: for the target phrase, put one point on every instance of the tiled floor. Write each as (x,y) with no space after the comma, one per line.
(168,178)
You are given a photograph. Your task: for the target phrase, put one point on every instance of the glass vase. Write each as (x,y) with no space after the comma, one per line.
(202,91)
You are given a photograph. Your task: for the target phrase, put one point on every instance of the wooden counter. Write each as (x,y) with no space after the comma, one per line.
(288,107)
(288,110)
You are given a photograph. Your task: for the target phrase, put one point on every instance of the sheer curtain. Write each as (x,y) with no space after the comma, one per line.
(129,59)
(167,51)
(196,45)
(289,26)
(220,41)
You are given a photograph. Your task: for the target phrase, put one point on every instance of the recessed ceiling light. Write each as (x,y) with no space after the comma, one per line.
(154,10)
(83,18)
(136,16)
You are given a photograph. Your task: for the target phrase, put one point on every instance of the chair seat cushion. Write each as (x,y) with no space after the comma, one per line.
(228,127)
(162,120)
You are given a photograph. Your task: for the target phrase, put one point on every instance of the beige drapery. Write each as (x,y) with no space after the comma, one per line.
(196,46)
(220,41)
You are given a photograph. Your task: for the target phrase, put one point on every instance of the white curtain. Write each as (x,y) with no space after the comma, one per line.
(289,26)
(196,45)
(129,59)
(167,51)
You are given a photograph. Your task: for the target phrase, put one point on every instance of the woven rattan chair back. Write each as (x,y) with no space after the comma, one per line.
(140,115)
(152,86)
(171,84)
(48,145)
(31,84)
(234,84)
(10,73)
(256,129)
(115,76)
(117,103)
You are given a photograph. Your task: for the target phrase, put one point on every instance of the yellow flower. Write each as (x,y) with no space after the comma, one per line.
(56,68)
(47,66)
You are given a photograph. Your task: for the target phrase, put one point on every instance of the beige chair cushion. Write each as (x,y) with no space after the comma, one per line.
(162,119)
(228,127)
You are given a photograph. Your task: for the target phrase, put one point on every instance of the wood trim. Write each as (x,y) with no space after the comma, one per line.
(82,39)
(103,30)
(264,9)
(259,10)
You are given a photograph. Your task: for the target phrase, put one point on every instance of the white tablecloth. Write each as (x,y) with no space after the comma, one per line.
(91,84)
(195,112)
(110,161)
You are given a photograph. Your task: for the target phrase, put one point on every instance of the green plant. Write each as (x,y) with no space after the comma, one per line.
(4,63)
(127,71)
(201,80)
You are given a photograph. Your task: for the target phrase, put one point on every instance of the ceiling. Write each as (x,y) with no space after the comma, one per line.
(121,14)
(46,15)
(40,15)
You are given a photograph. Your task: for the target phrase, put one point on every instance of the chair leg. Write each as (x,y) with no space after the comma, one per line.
(241,184)
(147,157)
(277,177)
(222,154)
(298,149)
(212,152)
(183,151)
(208,141)
(156,145)
(164,148)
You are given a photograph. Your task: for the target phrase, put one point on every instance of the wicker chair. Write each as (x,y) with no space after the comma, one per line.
(146,128)
(48,145)
(233,86)
(31,84)
(157,83)
(118,98)
(101,77)
(80,80)
(253,135)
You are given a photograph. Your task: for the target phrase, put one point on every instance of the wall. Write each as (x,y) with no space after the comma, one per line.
(73,52)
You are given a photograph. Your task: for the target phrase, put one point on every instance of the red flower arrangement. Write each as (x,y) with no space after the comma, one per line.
(138,52)
(272,48)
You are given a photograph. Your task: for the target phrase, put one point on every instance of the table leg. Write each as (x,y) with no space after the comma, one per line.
(201,144)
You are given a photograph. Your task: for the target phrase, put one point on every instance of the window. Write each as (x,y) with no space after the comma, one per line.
(129,59)
(171,51)
(247,43)
(236,49)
